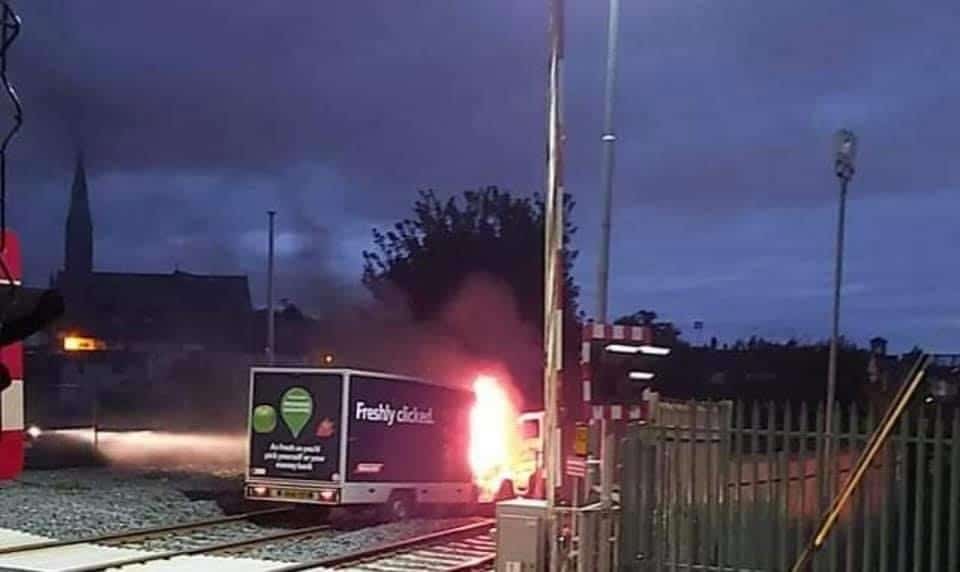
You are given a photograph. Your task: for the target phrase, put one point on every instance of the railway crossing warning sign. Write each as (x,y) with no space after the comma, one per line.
(580,437)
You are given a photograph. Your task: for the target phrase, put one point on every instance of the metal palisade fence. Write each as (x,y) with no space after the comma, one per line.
(723,488)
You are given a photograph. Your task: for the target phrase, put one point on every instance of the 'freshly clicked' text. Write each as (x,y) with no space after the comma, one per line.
(387,413)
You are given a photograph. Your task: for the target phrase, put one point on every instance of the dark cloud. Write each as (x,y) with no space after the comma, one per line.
(198,117)
(395,96)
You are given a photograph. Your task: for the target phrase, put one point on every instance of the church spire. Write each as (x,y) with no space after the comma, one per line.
(79,236)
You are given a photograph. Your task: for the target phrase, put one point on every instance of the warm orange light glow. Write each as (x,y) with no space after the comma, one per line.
(328,358)
(81,344)
(496,452)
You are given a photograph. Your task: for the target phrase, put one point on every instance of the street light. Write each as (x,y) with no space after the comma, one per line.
(271,319)
(609,139)
(845,151)
(644,349)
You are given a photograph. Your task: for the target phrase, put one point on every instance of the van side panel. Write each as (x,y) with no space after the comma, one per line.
(295,425)
(405,431)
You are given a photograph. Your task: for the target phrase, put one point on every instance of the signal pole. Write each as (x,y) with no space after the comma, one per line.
(609,138)
(553,275)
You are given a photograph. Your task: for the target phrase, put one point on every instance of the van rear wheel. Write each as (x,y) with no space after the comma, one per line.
(400,506)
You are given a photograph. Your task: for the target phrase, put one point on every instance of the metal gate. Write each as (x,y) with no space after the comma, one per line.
(742,491)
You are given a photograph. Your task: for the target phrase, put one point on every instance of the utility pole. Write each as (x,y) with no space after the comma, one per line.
(845,152)
(553,275)
(608,139)
(271,332)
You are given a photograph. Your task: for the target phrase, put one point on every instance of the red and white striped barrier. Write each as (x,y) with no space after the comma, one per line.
(11,399)
(606,332)
(632,412)
(576,467)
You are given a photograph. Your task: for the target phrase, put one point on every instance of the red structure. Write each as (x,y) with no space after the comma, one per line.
(11,400)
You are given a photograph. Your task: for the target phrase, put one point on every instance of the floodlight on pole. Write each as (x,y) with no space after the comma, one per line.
(845,152)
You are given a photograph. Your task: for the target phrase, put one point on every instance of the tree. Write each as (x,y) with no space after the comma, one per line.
(427,258)
(638,318)
(663,332)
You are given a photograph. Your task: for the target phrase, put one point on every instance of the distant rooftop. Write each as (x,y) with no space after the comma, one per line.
(180,308)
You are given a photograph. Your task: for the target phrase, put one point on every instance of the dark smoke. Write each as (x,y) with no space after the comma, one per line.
(478,331)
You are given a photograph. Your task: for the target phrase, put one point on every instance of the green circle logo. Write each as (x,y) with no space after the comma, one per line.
(296,407)
(264,419)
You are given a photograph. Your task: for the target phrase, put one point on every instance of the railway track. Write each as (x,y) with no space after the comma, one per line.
(463,549)
(132,548)
(135,538)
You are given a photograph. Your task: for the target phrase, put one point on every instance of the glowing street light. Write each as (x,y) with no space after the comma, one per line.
(641,375)
(644,349)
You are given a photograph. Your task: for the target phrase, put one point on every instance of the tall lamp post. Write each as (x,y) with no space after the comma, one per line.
(608,139)
(271,331)
(845,151)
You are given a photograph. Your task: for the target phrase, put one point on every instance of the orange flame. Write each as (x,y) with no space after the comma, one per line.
(495,449)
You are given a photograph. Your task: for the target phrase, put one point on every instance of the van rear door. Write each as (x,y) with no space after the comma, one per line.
(295,425)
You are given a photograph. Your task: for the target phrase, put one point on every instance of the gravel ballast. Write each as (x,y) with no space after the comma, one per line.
(81,502)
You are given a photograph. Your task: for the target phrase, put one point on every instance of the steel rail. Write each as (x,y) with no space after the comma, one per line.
(209,549)
(138,533)
(391,548)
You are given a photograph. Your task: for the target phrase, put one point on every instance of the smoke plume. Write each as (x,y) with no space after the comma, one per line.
(479,331)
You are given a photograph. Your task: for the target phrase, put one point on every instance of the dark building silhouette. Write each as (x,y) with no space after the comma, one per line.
(78,251)
(173,349)
(133,311)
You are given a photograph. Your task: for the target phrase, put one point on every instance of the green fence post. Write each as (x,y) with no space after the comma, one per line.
(660,530)
(833,474)
(866,522)
(889,459)
(724,493)
(953,558)
(821,478)
(710,526)
(920,464)
(633,515)
(755,532)
(852,423)
(768,521)
(677,511)
(693,548)
(901,475)
(936,505)
(783,512)
(803,425)
(739,448)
